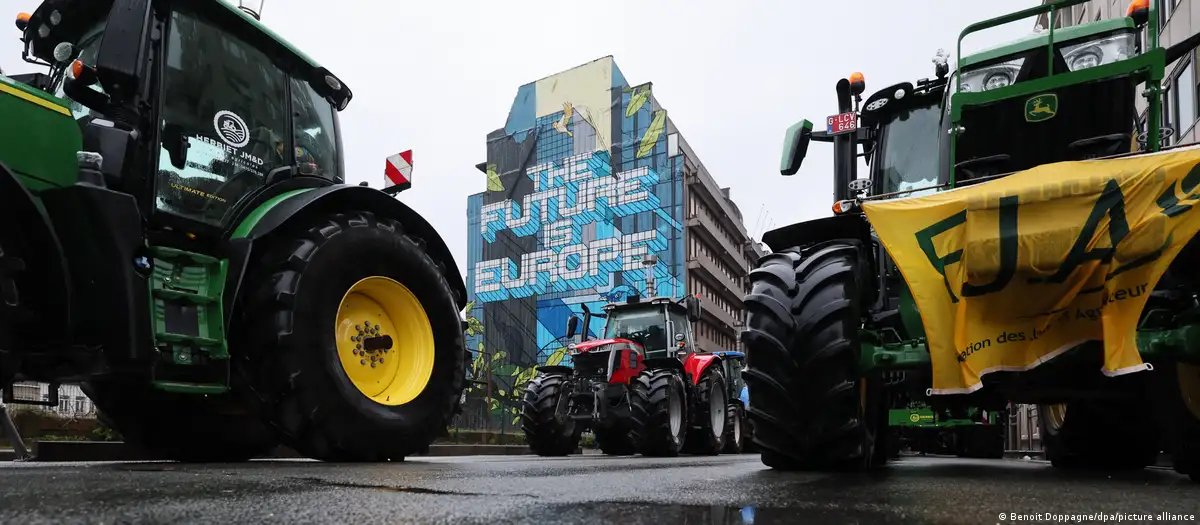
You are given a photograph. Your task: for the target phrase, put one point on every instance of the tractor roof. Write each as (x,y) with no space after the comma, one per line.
(1042,39)
(91,10)
(267,31)
(645,303)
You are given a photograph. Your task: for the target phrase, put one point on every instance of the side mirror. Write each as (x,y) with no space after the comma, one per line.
(795,147)
(121,55)
(176,144)
(572,326)
(693,308)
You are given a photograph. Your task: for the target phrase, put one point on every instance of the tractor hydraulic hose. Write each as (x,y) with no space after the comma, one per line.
(10,431)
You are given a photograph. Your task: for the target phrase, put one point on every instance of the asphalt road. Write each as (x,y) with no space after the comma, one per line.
(579,489)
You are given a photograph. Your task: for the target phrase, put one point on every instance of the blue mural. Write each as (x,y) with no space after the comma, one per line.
(580,186)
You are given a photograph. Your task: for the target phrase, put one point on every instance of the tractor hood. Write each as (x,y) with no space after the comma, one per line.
(588,346)
(44,145)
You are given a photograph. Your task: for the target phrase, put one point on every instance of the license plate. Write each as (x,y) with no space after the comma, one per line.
(841,123)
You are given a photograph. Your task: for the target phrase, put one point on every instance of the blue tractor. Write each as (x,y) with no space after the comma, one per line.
(738,437)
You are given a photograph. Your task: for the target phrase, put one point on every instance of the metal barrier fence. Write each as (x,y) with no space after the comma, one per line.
(1023,434)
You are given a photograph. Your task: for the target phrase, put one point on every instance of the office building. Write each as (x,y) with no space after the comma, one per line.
(588,175)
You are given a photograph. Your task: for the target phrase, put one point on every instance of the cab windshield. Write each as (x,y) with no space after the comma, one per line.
(645,327)
(910,151)
(242,117)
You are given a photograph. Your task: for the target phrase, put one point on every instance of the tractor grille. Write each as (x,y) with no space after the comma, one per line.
(591,364)
(1084,111)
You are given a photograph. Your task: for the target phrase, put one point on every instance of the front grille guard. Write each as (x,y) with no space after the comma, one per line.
(588,388)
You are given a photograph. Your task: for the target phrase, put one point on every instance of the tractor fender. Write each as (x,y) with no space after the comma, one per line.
(555,369)
(277,213)
(696,364)
(47,259)
(851,228)
(817,230)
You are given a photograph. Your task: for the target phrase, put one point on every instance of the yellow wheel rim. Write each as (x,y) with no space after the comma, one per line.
(1189,386)
(1056,415)
(384,341)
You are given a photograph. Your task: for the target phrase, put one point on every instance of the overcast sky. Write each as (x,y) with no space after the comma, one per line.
(438,76)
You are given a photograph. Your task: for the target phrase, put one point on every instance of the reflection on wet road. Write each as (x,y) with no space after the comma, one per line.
(723,490)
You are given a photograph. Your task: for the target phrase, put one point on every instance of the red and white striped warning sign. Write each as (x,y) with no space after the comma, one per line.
(398,171)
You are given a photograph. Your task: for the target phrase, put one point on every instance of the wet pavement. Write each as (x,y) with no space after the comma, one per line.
(724,490)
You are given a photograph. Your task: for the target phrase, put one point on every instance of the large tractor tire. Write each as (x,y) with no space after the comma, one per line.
(659,408)
(1099,435)
(351,341)
(10,304)
(615,438)
(710,416)
(810,408)
(546,433)
(180,427)
(1177,400)
(735,433)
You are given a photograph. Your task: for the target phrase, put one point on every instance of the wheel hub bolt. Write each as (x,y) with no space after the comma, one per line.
(362,361)
(372,365)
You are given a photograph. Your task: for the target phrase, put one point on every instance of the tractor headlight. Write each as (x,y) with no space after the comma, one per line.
(1107,50)
(990,77)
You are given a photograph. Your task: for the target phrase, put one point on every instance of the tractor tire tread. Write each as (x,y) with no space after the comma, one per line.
(802,360)
(615,439)
(700,437)
(544,433)
(284,377)
(650,411)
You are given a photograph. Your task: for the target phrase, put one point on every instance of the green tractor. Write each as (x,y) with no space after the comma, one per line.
(971,433)
(178,238)
(1022,236)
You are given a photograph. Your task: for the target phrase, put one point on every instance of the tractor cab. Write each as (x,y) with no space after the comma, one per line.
(192,106)
(1045,98)
(658,327)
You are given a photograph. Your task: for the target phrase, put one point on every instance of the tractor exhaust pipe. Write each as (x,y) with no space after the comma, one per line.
(649,261)
(845,161)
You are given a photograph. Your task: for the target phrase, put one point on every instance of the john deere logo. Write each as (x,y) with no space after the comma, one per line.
(1041,107)
(914,417)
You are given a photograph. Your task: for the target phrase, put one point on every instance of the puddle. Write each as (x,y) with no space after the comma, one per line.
(627,513)
(389,488)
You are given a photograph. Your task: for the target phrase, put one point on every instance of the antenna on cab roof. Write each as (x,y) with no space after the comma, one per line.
(252,7)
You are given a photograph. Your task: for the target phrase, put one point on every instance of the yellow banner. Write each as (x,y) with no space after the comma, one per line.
(1008,274)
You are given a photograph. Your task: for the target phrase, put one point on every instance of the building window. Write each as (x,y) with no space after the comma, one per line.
(1183,100)
(1166,8)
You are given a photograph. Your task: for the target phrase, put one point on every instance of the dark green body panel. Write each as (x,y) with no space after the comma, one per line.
(40,138)
(924,417)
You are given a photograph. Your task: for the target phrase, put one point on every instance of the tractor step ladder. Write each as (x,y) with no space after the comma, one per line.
(188,317)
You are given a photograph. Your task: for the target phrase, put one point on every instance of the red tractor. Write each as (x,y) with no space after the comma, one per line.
(641,388)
